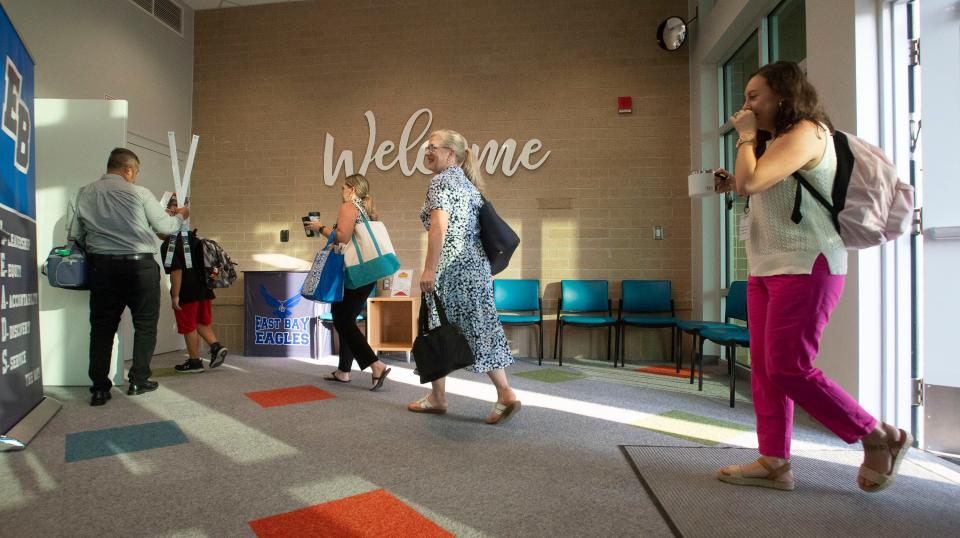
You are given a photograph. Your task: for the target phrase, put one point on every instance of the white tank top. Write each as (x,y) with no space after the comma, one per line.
(778,246)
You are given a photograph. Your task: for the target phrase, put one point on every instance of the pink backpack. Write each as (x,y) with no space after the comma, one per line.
(869,204)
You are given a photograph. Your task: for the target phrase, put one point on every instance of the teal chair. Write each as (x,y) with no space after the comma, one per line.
(516,296)
(640,299)
(731,339)
(735,307)
(579,299)
(326,318)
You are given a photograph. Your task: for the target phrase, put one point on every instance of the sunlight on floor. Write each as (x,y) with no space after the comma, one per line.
(222,433)
(937,467)
(14,495)
(320,492)
(137,463)
(484,391)
(223,438)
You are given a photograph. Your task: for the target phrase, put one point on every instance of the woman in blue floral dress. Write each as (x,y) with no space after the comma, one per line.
(458,269)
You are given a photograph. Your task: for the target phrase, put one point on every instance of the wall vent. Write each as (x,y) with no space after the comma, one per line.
(168,12)
(146,5)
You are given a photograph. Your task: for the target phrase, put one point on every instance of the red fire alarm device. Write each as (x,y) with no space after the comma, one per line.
(625,105)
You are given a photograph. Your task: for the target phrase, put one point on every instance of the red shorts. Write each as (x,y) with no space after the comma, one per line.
(192,314)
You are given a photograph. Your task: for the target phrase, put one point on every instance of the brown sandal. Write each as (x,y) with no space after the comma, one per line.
(898,452)
(735,476)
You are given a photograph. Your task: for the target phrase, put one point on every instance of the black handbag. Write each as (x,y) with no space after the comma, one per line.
(440,350)
(498,238)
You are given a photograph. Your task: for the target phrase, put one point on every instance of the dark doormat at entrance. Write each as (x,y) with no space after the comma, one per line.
(826,501)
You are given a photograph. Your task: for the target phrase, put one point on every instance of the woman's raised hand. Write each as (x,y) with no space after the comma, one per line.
(745,121)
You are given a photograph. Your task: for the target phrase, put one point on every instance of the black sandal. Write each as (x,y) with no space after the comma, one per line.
(378,381)
(333,377)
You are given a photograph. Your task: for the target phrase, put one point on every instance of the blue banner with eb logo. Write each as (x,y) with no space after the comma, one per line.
(21,387)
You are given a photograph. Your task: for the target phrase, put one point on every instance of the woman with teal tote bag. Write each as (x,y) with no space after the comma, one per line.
(355,215)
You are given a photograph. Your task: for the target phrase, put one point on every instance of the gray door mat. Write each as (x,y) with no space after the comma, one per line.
(826,502)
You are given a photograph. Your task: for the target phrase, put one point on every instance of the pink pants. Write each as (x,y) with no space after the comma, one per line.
(787,316)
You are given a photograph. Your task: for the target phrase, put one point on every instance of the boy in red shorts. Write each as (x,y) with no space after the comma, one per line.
(192,301)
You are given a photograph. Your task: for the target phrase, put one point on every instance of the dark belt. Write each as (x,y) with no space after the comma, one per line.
(118,257)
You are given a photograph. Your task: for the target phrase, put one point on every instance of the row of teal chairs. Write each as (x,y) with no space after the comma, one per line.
(645,304)
(586,303)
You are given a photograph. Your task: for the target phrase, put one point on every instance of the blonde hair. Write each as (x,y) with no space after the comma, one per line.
(361,188)
(466,159)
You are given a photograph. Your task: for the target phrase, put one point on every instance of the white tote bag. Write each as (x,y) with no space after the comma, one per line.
(369,256)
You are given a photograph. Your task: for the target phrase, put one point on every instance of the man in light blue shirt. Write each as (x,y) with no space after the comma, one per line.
(118,225)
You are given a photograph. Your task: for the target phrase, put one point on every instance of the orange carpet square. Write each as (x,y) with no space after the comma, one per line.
(287,396)
(665,370)
(374,514)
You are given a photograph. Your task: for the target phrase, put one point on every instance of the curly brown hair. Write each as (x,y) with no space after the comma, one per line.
(798,98)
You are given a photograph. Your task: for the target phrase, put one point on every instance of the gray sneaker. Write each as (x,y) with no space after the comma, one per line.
(217,356)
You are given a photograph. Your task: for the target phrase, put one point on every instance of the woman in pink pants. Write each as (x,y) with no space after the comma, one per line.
(796,278)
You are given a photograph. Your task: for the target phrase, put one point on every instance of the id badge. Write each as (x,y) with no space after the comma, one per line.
(745,222)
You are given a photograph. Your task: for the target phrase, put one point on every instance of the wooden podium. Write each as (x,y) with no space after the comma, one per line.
(392,323)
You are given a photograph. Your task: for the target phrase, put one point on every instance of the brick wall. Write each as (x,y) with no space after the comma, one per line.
(271,81)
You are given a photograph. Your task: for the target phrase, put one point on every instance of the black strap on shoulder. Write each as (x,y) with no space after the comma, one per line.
(797,216)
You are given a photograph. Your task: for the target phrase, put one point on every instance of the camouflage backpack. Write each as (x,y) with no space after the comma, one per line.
(217,265)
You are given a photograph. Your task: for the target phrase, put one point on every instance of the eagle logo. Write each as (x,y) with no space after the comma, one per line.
(282,309)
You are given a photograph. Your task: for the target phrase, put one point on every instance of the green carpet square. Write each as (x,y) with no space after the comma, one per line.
(163,372)
(704,430)
(552,375)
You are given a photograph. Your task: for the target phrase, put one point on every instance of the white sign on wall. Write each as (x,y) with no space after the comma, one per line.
(388,154)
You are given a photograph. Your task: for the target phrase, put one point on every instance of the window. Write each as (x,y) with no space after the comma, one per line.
(788,31)
(780,36)
(736,73)
(784,33)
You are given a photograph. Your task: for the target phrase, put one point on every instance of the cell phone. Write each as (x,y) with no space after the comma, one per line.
(312,216)
(722,175)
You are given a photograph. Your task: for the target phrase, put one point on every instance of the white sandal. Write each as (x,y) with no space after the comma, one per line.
(423,405)
(502,413)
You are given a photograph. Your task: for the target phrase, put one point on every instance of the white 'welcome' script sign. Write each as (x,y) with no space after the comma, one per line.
(388,154)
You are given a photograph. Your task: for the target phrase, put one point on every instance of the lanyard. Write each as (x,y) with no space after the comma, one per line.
(172,246)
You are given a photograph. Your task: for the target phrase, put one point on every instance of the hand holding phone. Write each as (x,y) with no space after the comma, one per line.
(721,180)
(313,216)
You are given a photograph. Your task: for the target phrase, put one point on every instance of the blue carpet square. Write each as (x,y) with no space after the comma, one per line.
(99,443)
